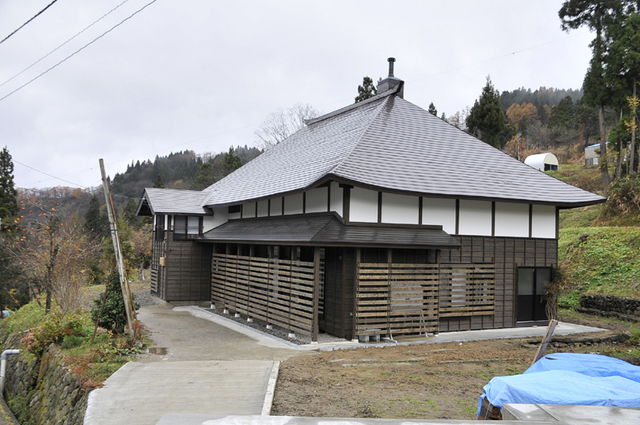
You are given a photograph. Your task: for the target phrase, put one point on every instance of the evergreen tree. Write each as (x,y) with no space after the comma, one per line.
(432,109)
(111,314)
(8,193)
(129,214)
(366,90)
(564,114)
(96,222)
(158,183)
(205,177)
(231,162)
(599,88)
(487,119)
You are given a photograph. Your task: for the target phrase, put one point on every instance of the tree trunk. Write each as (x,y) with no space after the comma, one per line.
(632,145)
(604,165)
(620,156)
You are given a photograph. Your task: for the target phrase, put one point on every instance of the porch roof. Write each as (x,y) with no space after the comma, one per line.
(327,230)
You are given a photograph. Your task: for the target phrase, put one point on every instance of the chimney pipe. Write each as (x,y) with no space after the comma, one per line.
(391,81)
(391,61)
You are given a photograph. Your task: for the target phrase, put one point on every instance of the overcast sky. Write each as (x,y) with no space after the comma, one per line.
(203,74)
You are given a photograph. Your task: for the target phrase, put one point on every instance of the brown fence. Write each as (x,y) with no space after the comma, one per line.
(467,289)
(396,299)
(278,292)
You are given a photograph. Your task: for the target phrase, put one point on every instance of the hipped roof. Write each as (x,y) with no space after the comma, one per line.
(384,143)
(389,144)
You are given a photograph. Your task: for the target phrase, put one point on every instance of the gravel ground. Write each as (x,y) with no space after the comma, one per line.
(275,330)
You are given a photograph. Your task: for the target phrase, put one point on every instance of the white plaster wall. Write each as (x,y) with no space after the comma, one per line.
(234,216)
(276,206)
(400,209)
(263,208)
(316,200)
(336,198)
(440,212)
(364,206)
(543,223)
(475,218)
(293,204)
(512,219)
(220,216)
(249,210)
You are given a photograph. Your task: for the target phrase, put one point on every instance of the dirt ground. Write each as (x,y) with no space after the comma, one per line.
(432,381)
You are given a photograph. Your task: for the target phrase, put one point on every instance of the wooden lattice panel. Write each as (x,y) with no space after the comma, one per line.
(278,292)
(394,299)
(467,290)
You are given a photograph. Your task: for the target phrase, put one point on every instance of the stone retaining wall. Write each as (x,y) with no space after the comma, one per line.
(610,306)
(44,391)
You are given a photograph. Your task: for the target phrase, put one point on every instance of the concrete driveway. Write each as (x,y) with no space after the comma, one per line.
(208,368)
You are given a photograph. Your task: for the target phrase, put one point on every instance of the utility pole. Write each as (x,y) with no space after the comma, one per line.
(124,283)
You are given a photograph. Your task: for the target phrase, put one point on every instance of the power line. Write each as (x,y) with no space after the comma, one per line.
(47,174)
(57,48)
(80,49)
(22,26)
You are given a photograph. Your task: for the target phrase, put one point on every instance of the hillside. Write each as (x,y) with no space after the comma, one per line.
(599,246)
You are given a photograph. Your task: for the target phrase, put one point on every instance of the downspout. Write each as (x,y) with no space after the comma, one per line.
(3,366)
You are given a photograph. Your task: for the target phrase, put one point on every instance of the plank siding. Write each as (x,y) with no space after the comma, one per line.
(507,254)
(187,271)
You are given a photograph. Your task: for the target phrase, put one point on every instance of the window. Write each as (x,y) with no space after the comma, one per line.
(186,227)
(159,227)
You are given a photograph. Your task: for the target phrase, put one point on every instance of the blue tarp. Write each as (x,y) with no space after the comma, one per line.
(571,379)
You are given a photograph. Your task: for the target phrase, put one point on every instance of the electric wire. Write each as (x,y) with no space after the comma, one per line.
(79,50)
(23,25)
(63,44)
(47,174)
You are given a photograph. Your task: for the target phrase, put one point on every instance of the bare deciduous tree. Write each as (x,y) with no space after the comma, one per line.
(283,123)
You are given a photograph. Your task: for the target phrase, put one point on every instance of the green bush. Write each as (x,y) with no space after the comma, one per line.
(54,330)
(111,314)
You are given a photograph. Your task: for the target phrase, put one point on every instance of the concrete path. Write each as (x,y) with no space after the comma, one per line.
(208,368)
(215,366)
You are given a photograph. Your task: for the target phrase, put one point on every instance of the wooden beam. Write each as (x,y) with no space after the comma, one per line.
(545,340)
(124,283)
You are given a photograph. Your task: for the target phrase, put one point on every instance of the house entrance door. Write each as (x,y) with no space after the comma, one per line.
(532,282)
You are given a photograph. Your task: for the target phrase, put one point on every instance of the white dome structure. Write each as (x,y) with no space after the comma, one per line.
(543,161)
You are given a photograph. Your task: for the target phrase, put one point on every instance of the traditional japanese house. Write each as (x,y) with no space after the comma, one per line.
(376,219)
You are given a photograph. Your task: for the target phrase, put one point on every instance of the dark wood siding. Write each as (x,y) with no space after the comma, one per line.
(188,270)
(339,292)
(508,254)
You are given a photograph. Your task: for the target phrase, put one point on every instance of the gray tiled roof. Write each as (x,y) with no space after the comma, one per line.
(390,144)
(173,201)
(328,230)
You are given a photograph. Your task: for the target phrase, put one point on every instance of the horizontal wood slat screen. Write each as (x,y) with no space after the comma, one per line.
(467,289)
(394,299)
(278,292)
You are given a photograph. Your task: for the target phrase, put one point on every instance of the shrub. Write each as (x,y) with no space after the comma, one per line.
(54,330)
(624,197)
(111,313)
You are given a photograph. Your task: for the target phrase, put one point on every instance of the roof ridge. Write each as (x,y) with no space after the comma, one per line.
(348,108)
(364,131)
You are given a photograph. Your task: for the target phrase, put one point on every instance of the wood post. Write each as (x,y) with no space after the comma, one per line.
(545,340)
(316,294)
(124,283)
